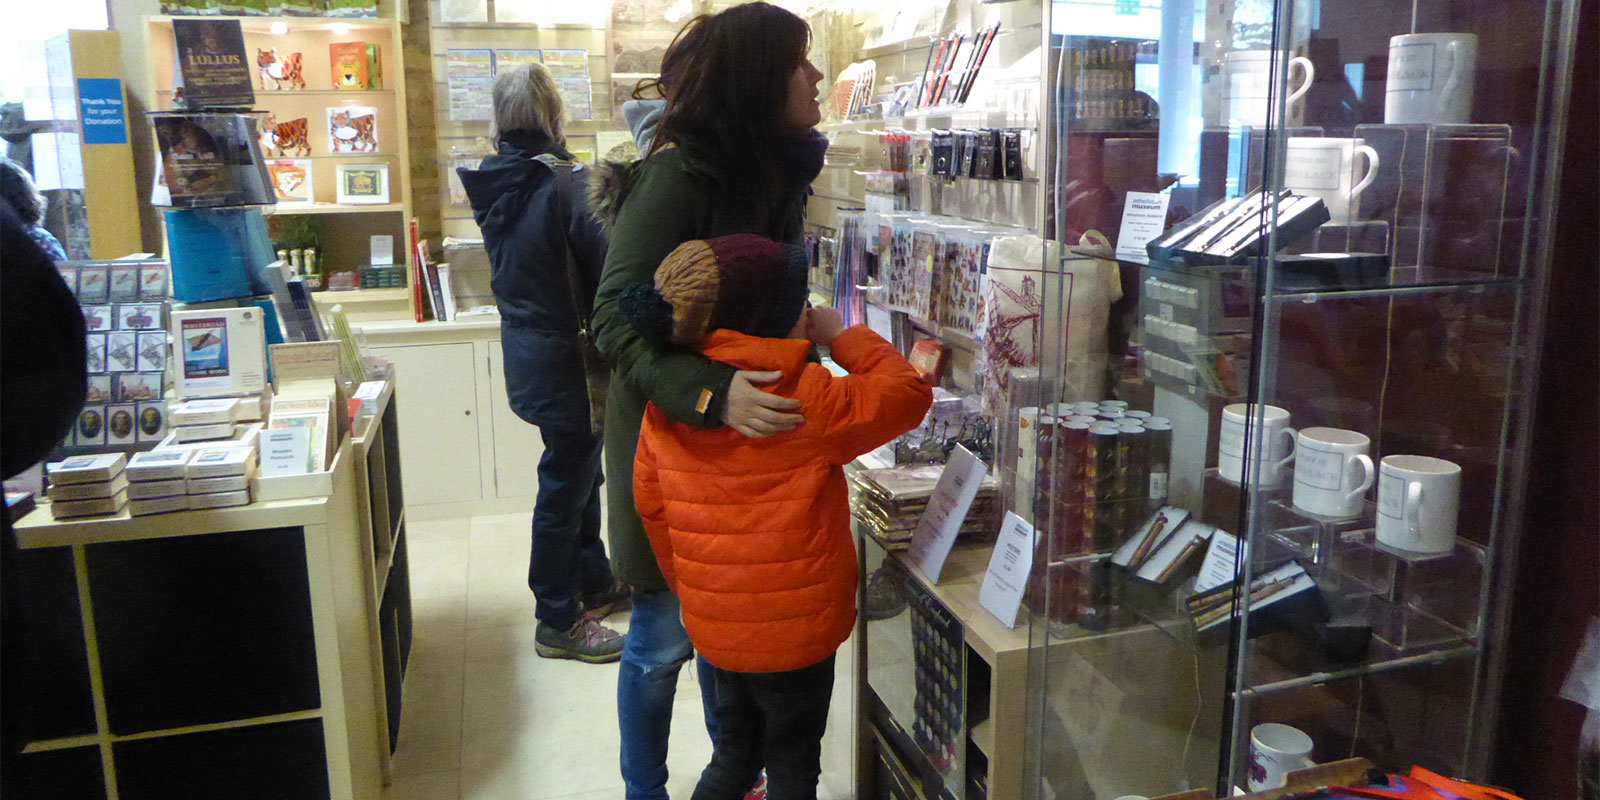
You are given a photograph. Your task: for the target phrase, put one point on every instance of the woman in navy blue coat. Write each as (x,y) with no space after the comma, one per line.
(528,229)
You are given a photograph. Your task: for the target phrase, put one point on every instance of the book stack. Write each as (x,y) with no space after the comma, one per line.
(889,502)
(87,486)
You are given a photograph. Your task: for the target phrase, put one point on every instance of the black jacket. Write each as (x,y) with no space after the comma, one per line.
(515,202)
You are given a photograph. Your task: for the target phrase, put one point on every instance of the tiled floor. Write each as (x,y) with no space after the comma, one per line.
(486,719)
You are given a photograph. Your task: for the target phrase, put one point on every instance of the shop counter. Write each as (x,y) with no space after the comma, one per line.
(255,651)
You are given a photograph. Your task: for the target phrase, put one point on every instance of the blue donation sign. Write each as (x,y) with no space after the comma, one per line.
(101,108)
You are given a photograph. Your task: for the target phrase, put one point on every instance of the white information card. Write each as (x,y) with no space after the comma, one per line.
(1009,566)
(1222,562)
(285,451)
(947,508)
(1144,217)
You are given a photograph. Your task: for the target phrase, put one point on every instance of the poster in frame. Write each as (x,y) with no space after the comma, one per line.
(363,184)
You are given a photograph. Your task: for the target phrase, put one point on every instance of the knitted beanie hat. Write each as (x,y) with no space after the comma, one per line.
(741,282)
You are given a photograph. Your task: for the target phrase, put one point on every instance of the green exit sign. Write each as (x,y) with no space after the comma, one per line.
(1130,7)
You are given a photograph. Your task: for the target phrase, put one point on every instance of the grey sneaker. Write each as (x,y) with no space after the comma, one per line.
(614,599)
(588,641)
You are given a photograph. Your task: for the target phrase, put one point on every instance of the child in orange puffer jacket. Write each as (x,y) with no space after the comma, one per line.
(753,535)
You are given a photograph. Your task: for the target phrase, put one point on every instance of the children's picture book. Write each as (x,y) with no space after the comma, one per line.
(220,351)
(349,64)
(352,129)
(213,71)
(284,71)
(291,181)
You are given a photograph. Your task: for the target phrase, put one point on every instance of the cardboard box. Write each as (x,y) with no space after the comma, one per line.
(86,469)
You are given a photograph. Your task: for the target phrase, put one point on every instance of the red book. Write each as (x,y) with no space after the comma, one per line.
(417,282)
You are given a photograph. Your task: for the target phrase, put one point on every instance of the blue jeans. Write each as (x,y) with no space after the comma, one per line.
(568,558)
(647,683)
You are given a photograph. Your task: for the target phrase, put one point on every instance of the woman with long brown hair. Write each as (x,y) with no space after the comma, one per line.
(735,151)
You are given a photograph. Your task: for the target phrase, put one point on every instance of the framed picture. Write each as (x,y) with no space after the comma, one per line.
(363,183)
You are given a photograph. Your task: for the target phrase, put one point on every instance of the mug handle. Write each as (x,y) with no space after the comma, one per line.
(1284,462)
(1371,174)
(1311,75)
(1414,509)
(1369,475)
(1453,75)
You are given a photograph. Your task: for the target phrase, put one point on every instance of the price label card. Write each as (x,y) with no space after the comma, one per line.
(936,531)
(1009,565)
(1144,217)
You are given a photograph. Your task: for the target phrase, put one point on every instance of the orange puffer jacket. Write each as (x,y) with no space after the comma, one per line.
(753,535)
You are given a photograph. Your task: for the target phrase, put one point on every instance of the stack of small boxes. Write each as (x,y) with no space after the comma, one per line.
(207,474)
(85,486)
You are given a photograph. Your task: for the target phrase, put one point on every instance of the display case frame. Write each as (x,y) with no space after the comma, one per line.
(1447,332)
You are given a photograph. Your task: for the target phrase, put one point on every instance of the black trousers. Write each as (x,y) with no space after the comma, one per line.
(568,559)
(773,720)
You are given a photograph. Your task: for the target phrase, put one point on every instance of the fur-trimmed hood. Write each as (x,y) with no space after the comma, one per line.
(609,183)
(612,179)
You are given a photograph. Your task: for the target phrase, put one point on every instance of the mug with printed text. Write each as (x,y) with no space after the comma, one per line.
(1418,499)
(1430,78)
(1325,167)
(1271,440)
(1247,84)
(1332,471)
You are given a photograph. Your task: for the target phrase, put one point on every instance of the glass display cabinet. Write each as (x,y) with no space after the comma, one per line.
(1329,224)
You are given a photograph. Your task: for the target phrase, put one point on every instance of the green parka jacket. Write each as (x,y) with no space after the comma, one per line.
(651,207)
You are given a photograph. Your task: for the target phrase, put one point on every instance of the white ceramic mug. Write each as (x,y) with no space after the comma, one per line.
(1332,471)
(1247,84)
(1430,78)
(1272,439)
(1418,498)
(1275,751)
(1325,167)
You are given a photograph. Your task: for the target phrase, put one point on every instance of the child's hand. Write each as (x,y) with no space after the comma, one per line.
(823,325)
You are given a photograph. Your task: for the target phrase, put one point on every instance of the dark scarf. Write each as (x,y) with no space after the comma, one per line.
(797,161)
(800,160)
(533,143)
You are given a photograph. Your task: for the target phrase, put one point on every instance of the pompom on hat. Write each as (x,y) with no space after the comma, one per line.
(742,282)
